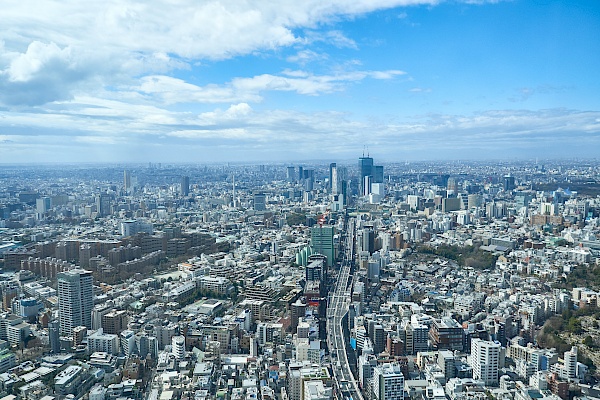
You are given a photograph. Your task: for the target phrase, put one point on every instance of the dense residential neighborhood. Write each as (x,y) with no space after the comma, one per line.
(429,281)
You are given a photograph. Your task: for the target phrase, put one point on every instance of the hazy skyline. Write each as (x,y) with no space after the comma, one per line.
(187,81)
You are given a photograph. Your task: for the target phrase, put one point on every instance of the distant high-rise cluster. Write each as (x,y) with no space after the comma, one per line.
(370,177)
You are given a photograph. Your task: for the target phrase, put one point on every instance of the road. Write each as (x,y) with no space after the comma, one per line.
(339,302)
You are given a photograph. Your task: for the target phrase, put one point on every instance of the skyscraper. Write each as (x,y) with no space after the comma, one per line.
(378,174)
(321,240)
(103,204)
(127,181)
(365,168)
(332,177)
(75,299)
(509,183)
(185,186)
(368,174)
(291,174)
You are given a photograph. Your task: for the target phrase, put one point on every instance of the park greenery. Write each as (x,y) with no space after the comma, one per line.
(293,219)
(551,334)
(584,275)
(467,256)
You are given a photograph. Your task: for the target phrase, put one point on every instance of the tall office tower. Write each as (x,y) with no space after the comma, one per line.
(54,336)
(332,173)
(127,181)
(368,239)
(335,181)
(366,185)
(260,202)
(43,204)
(509,183)
(378,174)
(342,182)
(485,361)
(452,185)
(342,173)
(291,174)
(365,168)
(103,204)
(185,186)
(300,173)
(321,240)
(388,382)
(75,300)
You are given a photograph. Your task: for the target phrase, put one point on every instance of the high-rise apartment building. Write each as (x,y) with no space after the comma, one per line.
(571,363)
(75,299)
(485,361)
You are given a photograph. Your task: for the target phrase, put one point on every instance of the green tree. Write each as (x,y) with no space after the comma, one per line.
(574,326)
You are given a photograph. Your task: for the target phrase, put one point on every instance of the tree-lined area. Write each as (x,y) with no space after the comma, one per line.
(467,256)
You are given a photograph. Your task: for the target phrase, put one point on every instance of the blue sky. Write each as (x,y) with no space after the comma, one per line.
(209,81)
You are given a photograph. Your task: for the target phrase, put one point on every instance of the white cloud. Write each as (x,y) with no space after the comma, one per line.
(419,90)
(47,54)
(44,72)
(390,74)
(306,56)
(210,29)
(169,90)
(278,132)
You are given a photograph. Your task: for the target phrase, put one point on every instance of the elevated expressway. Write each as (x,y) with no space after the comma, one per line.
(337,337)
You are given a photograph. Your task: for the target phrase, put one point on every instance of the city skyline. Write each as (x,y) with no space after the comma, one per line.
(275,82)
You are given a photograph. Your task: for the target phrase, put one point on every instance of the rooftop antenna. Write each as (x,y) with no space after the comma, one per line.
(364,151)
